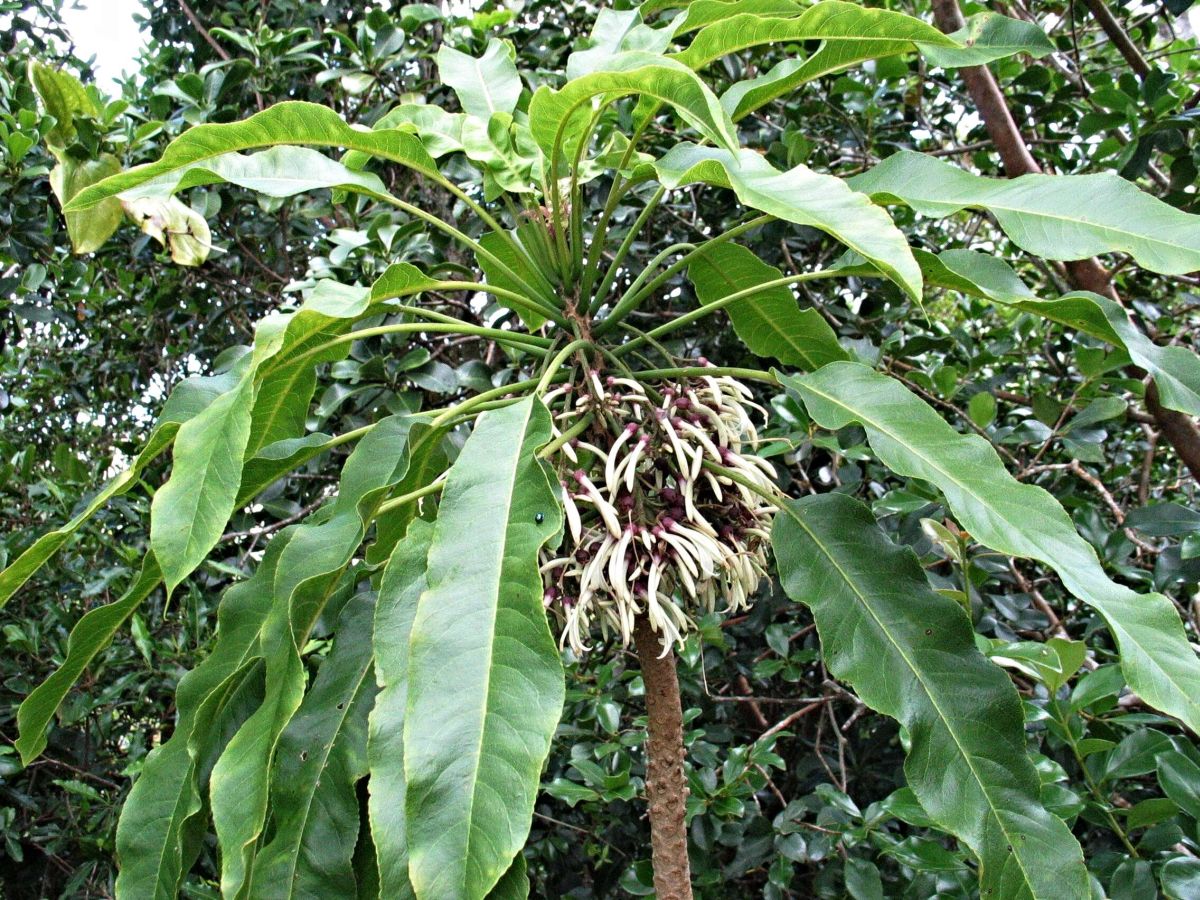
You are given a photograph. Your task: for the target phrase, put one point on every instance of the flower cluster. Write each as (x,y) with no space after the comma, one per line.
(656,525)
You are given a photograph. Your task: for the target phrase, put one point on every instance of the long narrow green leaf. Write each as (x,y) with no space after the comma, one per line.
(25,565)
(277,459)
(164,801)
(831,21)
(186,401)
(1052,216)
(704,12)
(292,122)
(867,33)
(769,323)
(426,460)
(402,585)
(281,171)
(90,635)
(485,684)
(322,754)
(267,402)
(505,250)
(909,653)
(1016,519)
(329,311)
(803,197)
(559,116)
(189,512)
(310,568)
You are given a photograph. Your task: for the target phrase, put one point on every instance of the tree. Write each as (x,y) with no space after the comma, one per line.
(663,493)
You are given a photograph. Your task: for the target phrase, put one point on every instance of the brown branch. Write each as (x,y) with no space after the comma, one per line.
(1086,274)
(199,26)
(666,787)
(743,684)
(1119,38)
(788,720)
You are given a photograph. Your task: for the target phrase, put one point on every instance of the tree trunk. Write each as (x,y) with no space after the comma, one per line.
(666,787)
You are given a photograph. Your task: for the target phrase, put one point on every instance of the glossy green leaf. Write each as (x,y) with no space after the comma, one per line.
(909,652)
(1180,780)
(292,122)
(830,21)
(1180,878)
(485,687)
(987,37)
(485,85)
(441,132)
(401,587)
(322,755)
(1053,216)
(426,460)
(189,512)
(1013,518)
(281,171)
(155,834)
(514,884)
(309,570)
(90,635)
(558,117)
(769,323)
(803,197)
(857,34)
(617,31)
(699,13)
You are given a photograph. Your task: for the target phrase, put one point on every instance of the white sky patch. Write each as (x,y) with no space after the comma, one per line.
(106,30)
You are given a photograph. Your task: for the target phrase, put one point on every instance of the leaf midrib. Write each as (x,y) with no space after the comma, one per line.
(491,641)
(294,857)
(1113,623)
(1135,237)
(924,687)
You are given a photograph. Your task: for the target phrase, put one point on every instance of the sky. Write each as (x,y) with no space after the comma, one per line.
(106,30)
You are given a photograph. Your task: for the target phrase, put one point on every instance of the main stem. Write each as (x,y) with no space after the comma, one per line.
(666,787)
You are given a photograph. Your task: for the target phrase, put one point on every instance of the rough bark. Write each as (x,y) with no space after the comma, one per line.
(666,787)
(1085,274)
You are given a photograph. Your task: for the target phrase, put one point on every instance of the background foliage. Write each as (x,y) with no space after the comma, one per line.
(796,788)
